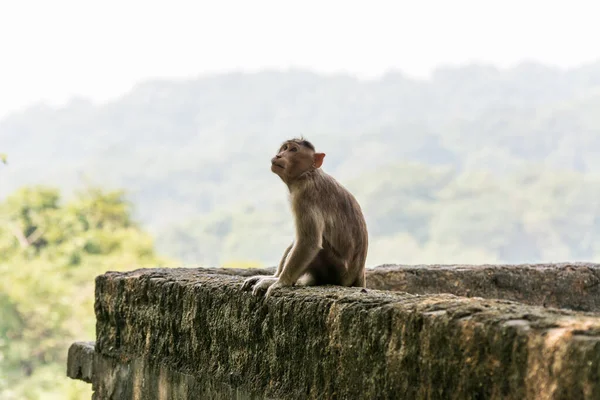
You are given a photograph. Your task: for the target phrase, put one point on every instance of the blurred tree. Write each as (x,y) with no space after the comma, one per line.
(50,254)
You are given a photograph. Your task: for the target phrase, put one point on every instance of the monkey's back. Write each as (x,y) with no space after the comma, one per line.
(345,226)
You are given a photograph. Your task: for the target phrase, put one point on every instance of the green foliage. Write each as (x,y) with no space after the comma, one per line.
(50,254)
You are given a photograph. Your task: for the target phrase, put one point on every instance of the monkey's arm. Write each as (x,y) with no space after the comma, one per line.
(310,225)
(309,238)
(300,257)
(249,282)
(282,262)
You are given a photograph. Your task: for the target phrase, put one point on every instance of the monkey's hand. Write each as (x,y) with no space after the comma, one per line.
(274,286)
(248,283)
(264,284)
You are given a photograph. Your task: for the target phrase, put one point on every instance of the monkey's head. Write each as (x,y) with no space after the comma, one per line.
(294,158)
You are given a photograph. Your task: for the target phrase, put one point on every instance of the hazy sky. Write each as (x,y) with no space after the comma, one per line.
(52,50)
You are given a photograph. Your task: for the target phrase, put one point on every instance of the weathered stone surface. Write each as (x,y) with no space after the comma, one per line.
(137,378)
(333,342)
(80,361)
(574,286)
(237,271)
(140,378)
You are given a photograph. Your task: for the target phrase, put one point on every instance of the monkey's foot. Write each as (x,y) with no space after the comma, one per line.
(264,284)
(274,286)
(248,283)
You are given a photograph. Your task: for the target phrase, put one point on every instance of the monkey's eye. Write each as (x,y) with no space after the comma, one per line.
(294,149)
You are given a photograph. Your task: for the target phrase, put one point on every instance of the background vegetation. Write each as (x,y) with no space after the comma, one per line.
(50,253)
(476,165)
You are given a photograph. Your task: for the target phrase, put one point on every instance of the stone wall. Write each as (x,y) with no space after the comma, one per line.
(192,334)
(575,286)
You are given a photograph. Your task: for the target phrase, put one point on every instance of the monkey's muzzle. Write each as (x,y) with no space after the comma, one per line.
(274,164)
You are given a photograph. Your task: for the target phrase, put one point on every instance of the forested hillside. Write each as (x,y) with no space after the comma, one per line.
(477,164)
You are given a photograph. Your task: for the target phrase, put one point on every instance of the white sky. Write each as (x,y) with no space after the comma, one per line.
(52,50)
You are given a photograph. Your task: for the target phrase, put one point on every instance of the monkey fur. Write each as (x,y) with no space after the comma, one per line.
(331,241)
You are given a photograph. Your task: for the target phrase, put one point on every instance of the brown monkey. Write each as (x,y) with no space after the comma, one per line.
(331,233)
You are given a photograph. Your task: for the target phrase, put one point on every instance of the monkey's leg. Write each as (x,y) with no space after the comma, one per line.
(308,279)
(327,268)
(315,269)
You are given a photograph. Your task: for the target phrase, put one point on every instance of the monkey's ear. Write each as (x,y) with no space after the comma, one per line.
(319,159)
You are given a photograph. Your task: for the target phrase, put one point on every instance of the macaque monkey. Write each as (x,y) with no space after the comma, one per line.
(331,240)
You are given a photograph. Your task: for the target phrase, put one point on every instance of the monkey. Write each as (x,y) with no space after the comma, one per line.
(331,237)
